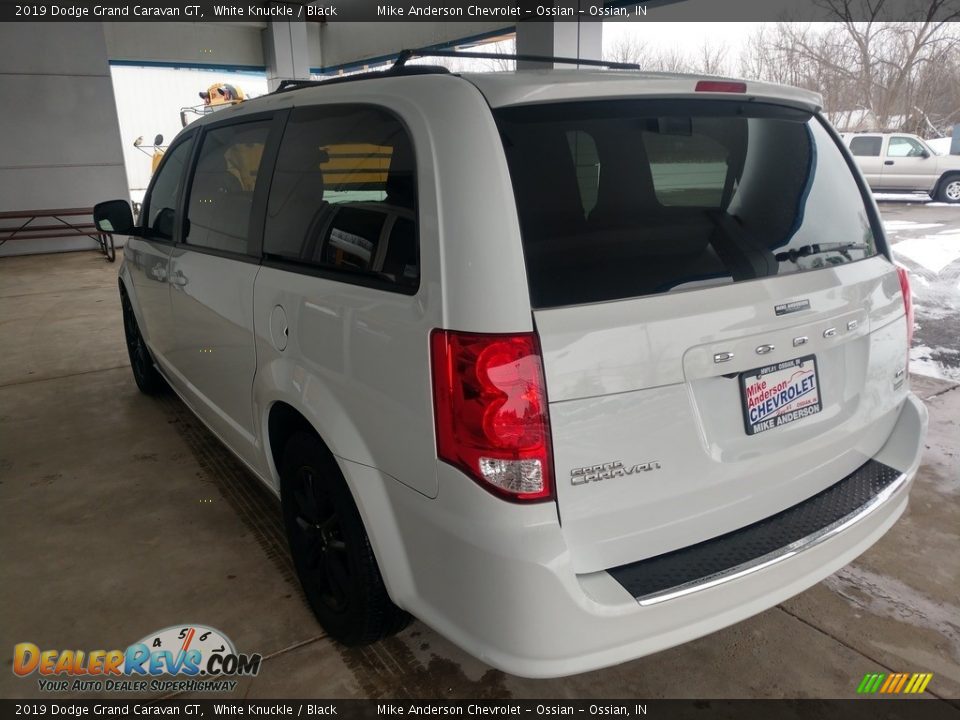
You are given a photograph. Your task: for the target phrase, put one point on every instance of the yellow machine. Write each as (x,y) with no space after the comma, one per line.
(156,155)
(216,97)
(243,160)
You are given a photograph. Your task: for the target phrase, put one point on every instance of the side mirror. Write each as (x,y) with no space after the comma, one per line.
(924,154)
(114,216)
(158,140)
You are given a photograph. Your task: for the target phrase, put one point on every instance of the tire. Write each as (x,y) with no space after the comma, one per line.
(145,373)
(330,547)
(949,189)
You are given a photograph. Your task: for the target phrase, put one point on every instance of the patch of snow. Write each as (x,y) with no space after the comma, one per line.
(895,226)
(934,252)
(934,311)
(885,596)
(922,363)
(902,197)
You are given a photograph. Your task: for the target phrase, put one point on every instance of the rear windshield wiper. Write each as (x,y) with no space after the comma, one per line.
(819,249)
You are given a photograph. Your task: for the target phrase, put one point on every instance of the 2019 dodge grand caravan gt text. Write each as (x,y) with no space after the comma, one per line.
(573,366)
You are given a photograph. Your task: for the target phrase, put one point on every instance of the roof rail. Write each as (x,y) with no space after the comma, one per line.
(400,67)
(393,71)
(408,54)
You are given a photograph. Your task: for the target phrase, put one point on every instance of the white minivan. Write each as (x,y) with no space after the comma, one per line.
(572,365)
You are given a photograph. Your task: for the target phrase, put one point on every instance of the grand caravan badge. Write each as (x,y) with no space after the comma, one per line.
(608,471)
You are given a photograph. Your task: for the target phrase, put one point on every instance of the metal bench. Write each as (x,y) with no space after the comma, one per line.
(63,227)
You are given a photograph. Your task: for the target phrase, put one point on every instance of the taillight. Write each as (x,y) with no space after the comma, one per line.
(724,86)
(490,408)
(904,276)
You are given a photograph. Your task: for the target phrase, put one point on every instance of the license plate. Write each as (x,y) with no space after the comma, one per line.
(780,394)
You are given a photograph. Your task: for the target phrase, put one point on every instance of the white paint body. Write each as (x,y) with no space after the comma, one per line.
(524,587)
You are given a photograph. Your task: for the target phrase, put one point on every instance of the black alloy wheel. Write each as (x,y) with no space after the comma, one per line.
(331,549)
(145,373)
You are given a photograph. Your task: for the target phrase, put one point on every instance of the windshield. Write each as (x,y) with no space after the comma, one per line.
(626,198)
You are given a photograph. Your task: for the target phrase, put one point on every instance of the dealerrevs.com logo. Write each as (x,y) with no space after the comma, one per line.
(176,659)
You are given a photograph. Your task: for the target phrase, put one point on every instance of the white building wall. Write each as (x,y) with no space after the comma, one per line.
(149,101)
(350,42)
(225,44)
(59,136)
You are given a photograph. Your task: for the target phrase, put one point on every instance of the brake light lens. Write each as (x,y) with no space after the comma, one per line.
(904,276)
(724,86)
(490,409)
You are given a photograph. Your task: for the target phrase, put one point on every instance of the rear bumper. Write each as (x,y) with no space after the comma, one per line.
(760,545)
(497,580)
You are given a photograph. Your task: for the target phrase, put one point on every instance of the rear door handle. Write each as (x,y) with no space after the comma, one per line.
(888,162)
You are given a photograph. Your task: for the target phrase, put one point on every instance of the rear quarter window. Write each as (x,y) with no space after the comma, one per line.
(664,196)
(344,197)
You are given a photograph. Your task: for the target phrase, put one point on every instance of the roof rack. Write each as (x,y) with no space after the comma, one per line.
(408,54)
(288,85)
(400,67)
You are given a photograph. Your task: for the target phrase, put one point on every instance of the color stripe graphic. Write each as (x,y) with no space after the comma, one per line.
(913,683)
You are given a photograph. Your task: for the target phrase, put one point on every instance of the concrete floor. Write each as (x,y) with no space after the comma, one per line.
(121,515)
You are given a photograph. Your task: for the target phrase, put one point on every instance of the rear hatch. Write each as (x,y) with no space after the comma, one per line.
(722,336)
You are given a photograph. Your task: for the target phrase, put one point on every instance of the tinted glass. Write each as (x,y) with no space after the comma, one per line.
(904,147)
(584,153)
(221,195)
(161,206)
(866,146)
(686,194)
(686,167)
(343,196)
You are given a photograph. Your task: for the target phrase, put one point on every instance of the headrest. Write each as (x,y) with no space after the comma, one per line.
(401,184)
(212,162)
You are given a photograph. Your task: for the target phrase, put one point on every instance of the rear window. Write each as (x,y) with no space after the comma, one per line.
(621,199)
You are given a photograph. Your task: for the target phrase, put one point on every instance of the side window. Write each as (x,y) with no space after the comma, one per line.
(344,195)
(161,206)
(866,146)
(221,194)
(904,147)
(688,166)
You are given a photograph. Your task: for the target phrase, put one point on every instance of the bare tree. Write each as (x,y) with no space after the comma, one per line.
(708,59)
(629,49)
(873,74)
(713,59)
(503,47)
(894,73)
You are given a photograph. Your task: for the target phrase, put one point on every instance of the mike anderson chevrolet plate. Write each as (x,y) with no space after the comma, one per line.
(775,395)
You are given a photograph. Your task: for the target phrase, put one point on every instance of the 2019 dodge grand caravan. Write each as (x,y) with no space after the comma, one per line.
(573,365)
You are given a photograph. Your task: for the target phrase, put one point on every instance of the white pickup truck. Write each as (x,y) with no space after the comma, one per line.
(897,162)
